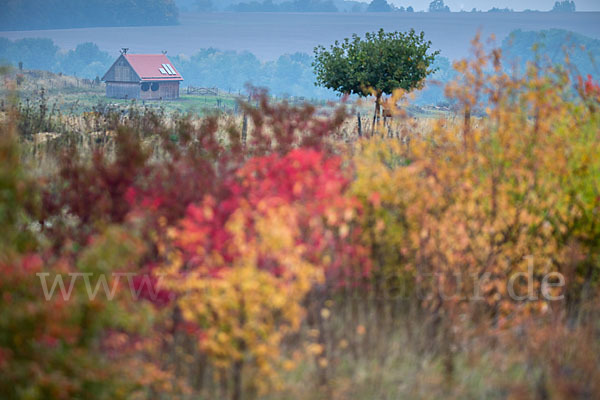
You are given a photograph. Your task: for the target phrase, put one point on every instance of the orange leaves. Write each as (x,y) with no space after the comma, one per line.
(245,310)
(248,259)
(522,174)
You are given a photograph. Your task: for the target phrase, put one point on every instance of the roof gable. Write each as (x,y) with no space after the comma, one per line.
(113,75)
(153,67)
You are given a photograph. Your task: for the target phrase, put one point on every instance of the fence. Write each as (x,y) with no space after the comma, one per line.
(202,91)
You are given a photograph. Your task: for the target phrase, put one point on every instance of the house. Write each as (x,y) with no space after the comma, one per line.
(142,76)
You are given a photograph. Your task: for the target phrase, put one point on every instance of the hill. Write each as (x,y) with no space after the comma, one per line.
(66,14)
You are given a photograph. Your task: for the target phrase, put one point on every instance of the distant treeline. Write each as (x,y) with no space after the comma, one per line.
(273,5)
(86,61)
(292,74)
(334,6)
(51,14)
(310,6)
(228,70)
(288,6)
(559,6)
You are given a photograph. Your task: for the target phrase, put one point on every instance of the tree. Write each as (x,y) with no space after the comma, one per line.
(313,6)
(287,6)
(497,10)
(34,53)
(378,64)
(84,55)
(438,6)
(379,6)
(204,5)
(564,6)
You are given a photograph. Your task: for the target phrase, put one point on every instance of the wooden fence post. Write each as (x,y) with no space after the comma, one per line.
(244,129)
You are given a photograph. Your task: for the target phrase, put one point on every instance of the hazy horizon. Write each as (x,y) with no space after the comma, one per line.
(269,35)
(517,5)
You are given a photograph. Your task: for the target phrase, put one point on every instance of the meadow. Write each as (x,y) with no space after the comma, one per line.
(71,95)
(279,252)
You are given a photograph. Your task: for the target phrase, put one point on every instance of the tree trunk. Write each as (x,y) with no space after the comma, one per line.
(245,124)
(376,114)
(238,365)
(359,125)
(237,380)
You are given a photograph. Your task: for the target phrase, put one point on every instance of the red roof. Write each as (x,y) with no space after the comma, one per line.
(148,67)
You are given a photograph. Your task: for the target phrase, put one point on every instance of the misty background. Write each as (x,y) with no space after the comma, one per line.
(423,5)
(228,49)
(517,5)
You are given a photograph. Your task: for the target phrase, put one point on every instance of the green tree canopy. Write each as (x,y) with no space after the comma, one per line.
(377,64)
(204,5)
(438,6)
(379,6)
(564,6)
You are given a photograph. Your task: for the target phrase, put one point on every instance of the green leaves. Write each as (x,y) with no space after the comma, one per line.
(380,62)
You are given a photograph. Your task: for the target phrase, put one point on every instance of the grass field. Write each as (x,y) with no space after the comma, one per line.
(72,95)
